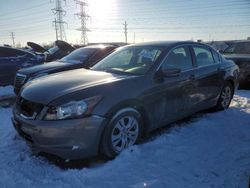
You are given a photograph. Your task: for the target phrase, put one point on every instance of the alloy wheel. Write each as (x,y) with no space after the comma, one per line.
(226,97)
(124,133)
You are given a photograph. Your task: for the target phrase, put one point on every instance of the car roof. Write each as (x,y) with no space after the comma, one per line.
(240,42)
(165,43)
(99,46)
(10,48)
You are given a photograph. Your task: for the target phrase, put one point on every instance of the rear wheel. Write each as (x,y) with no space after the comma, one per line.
(225,97)
(123,131)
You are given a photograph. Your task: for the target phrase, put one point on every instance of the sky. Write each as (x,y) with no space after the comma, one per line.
(148,20)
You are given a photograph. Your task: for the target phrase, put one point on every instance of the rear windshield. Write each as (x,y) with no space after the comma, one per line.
(79,55)
(238,48)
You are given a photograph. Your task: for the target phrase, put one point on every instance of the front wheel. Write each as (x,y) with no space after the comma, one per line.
(225,97)
(123,130)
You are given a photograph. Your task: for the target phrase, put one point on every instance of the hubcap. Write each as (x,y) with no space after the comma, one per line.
(226,96)
(124,133)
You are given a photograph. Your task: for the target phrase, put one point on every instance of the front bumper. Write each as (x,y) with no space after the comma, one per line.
(68,139)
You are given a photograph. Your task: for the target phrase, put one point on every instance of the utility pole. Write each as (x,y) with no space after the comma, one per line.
(126,32)
(134,37)
(59,23)
(13,38)
(83,17)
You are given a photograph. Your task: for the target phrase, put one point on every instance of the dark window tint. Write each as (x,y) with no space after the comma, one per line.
(203,56)
(216,57)
(9,52)
(79,55)
(101,53)
(178,58)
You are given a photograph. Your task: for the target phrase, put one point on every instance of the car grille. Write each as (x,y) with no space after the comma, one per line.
(27,109)
(19,80)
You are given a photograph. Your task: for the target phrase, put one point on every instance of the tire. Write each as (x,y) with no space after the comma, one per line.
(225,97)
(123,130)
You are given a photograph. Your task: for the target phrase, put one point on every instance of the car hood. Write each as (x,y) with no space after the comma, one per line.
(46,89)
(43,68)
(36,47)
(238,57)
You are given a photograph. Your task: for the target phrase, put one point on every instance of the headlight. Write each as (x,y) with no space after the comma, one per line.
(73,109)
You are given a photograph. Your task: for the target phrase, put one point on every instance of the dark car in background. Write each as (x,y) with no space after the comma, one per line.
(11,60)
(136,89)
(239,52)
(59,50)
(80,58)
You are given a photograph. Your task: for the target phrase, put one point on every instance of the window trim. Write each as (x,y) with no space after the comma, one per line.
(214,52)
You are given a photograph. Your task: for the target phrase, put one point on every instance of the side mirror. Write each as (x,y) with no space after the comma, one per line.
(168,72)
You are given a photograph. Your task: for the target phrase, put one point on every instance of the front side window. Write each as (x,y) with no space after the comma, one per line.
(133,60)
(203,56)
(179,58)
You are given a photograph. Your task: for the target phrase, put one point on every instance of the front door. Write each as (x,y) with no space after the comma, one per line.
(170,98)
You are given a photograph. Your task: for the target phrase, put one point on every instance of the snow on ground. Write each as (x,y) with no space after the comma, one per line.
(211,150)
(6,91)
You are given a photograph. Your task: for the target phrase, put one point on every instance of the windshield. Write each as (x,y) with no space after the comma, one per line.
(79,55)
(238,48)
(134,60)
(53,50)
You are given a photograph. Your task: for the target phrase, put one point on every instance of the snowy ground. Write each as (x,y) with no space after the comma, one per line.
(211,150)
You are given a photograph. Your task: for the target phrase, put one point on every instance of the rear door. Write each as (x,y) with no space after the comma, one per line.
(208,73)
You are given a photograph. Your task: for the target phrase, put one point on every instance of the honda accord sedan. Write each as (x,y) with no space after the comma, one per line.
(136,89)
(80,58)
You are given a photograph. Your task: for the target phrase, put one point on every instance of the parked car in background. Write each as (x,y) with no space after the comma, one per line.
(80,58)
(11,60)
(59,50)
(218,45)
(136,89)
(239,52)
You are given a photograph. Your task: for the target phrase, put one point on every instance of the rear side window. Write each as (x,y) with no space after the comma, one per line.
(101,53)
(178,58)
(203,56)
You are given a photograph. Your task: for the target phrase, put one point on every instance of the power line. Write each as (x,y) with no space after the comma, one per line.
(59,23)
(83,17)
(24,9)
